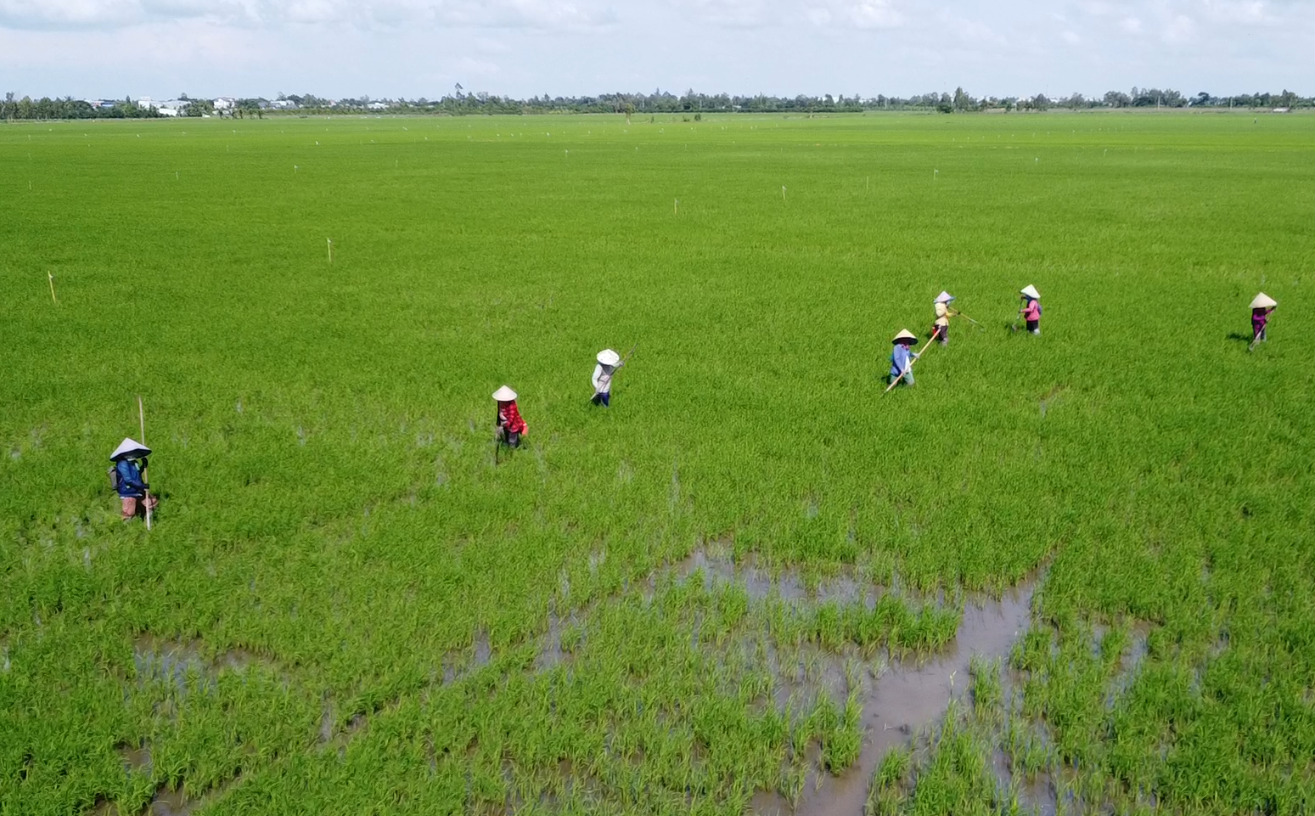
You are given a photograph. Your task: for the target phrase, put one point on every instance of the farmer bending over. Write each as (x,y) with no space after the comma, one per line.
(129,478)
(510,427)
(608,362)
(901,360)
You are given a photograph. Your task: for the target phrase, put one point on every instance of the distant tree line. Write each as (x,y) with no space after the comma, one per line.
(70,108)
(694,104)
(691,103)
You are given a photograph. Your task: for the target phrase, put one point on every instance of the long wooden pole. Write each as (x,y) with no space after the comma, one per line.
(617,369)
(969,319)
(146,493)
(915,359)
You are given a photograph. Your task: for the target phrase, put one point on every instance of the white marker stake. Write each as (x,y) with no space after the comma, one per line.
(330,240)
(141,415)
(783,192)
(675,210)
(51,276)
(934,174)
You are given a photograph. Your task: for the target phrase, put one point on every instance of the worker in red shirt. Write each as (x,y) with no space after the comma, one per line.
(510,427)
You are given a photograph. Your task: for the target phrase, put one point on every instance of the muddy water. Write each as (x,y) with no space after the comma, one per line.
(910,697)
(170,802)
(172,660)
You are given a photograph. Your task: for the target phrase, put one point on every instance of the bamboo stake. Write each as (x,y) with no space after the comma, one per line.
(146,494)
(330,240)
(51,276)
(909,367)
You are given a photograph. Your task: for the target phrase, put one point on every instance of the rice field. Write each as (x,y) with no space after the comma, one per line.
(1070,573)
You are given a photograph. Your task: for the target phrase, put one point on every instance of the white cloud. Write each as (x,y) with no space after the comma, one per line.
(1131,25)
(1178,30)
(732,13)
(68,13)
(861,14)
(59,14)
(971,32)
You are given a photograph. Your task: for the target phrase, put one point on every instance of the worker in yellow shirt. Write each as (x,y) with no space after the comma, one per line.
(941,328)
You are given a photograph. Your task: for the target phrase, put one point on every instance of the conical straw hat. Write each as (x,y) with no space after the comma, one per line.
(504,394)
(129,449)
(608,357)
(905,334)
(944,297)
(1031,292)
(1263,301)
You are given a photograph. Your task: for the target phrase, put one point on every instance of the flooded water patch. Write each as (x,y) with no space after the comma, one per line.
(913,695)
(174,660)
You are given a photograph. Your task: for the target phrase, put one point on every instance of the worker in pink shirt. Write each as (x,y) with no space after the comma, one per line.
(1260,309)
(1031,310)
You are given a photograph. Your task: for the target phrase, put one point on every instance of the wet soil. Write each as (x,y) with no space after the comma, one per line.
(165,659)
(912,696)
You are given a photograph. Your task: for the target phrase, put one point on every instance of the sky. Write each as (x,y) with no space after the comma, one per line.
(522,48)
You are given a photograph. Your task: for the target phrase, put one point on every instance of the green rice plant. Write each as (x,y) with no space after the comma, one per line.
(337,533)
(987,695)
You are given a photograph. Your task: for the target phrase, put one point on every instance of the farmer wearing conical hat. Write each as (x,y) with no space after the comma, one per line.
(128,477)
(1261,306)
(941,328)
(608,362)
(1031,309)
(510,427)
(901,359)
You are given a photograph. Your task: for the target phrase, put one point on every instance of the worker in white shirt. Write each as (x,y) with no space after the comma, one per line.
(608,362)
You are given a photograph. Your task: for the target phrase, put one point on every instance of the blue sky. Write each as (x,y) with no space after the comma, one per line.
(414,48)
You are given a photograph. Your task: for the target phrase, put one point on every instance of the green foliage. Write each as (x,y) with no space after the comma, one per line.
(348,604)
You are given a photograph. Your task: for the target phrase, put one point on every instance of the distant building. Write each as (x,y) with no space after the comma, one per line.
(225,103)
(145,103)
(283,104)
(378,106)
(174,107)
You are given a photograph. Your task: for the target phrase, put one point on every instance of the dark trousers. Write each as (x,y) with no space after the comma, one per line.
(943,336)
(509,438)
(1033,325)
(603,398)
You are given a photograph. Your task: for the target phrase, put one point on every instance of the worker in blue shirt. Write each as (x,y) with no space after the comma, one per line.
(129,478)
(901,359)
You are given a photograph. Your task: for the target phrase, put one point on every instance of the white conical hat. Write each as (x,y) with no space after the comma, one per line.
(1031,292)
(129,449)
(504,394)
(944,297)
(905,334)
(1263,301)
(608,357)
